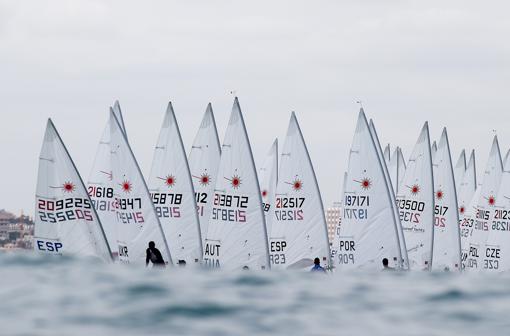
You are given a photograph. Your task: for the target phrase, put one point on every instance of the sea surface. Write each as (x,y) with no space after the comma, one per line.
(65,296)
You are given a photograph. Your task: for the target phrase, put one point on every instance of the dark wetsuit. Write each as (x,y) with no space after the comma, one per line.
(155,257)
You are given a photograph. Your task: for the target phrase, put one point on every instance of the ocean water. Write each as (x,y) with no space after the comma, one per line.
(65,296)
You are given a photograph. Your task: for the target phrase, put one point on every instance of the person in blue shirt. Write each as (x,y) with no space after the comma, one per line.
(317,266)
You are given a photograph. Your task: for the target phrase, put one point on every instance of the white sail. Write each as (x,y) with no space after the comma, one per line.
(100,185)
(118,114)
(404,262)
(137,222)
(507,156)
(173,195)
(485,211)
(299,231)
(416,203)
(467,220)
(401,168)
(387,156)
(396,168)
(268,177)
(393,170)
(497,245)
(204,160)
(236,236)
(446,231)
(467,197)
(369,231)
(433,149)
(65,220)
(460,169)
(467,186)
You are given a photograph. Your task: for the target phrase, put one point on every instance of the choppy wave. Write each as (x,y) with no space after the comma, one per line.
(65,296)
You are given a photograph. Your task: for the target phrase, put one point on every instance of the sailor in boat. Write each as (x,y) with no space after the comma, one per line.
(386,265)
(154,256)
(317,266)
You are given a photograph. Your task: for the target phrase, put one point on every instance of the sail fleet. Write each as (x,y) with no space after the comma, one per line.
(214,208)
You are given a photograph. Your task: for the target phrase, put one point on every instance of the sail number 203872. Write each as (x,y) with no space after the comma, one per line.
(230,208)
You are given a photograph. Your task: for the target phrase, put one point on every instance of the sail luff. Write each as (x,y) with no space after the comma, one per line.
(100,188)
(467,185)
(145,188)
(257,183)
(403,261)
(397,184)
(507,156)
(472,159)
(215,128)
(416,204)
(237,237)
(268,177)
(497,244)
(191,186)
(431,168)
(369,234)
(434,149)
(387,155)
(401,167)
(118,113)
(105,240)
(103,251)
(455,199)
(460,169)
(173,194)
(204,159)
(446,227)
(298,233)
(485,207)
(314,176)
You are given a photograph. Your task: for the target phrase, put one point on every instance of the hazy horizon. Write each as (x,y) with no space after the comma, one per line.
(408,62)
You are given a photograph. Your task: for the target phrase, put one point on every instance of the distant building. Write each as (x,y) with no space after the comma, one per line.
(333,219)
(16,232)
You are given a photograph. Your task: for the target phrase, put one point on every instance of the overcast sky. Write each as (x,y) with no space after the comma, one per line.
(408,61)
